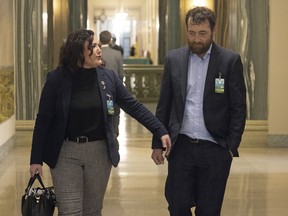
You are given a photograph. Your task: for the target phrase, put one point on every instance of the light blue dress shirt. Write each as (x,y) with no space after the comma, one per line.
(193,120)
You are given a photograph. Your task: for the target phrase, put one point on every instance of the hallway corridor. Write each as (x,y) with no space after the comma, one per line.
(258,184)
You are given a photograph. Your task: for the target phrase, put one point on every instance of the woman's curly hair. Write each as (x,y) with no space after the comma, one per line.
(72,53)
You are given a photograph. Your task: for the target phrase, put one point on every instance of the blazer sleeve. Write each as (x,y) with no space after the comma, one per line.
(138,111)
(238,109)
(164,102)
(43,120)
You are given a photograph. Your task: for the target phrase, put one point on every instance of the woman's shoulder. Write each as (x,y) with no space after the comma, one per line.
(56,72)
(56,75)
(104,69)
(105,72)
(108,76)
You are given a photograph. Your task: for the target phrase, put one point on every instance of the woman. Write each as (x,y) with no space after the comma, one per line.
(73,131)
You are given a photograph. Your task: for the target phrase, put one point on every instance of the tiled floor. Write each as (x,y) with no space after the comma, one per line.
(258,184)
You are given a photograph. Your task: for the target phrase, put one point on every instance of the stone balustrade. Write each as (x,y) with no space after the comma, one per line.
(143,81)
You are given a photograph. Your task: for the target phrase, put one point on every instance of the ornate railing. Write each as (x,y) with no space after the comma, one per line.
(143,81)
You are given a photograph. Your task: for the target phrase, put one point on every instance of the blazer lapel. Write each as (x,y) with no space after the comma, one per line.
(103,90)
(212,70)
(66,91)
(184,59)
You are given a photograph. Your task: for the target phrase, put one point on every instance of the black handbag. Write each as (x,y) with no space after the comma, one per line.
(38,201)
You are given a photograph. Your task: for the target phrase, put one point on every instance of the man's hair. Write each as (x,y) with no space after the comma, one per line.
(113,38)
(72,53)
(201,14)
(105,37)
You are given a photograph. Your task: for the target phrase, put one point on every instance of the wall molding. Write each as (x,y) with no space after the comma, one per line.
(255,134)
(278,140)
(25,125)
(6,147)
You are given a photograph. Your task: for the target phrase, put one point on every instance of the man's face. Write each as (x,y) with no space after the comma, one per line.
(199,37)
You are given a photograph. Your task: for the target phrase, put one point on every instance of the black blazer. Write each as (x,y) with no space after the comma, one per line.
(52,117)
(224,114)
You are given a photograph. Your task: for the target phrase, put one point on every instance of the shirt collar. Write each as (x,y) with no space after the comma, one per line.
(105,45)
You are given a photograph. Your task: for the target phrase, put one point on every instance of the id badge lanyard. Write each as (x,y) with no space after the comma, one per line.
(109,101)
(110,105)
(219,84)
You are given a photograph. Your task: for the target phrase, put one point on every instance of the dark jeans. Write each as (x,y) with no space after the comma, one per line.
(197,176)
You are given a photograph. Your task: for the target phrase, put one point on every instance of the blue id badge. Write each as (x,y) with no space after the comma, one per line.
(219,84)
(110,105)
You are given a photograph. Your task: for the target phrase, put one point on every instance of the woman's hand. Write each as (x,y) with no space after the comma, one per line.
(35,168)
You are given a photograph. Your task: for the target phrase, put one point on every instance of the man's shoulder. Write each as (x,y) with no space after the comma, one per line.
(118,48)
(111,50)
(224,50)
(179,50)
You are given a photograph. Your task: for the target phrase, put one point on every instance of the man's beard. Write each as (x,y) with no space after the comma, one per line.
(199,48)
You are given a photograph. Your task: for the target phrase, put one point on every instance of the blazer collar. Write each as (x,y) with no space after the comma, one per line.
(102,83)
(212,72)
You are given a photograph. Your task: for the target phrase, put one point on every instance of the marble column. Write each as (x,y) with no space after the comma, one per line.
(169,27)
(173,26)
(28,67)
(243,27)
(77,15)
(36,52)
(162,31)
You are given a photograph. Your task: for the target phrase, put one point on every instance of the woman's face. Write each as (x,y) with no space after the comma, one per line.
(94,60)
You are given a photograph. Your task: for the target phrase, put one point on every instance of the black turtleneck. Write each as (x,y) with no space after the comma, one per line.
(86,112)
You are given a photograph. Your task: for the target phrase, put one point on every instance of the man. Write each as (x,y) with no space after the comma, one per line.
(113,45)
(202,104)
(113,60)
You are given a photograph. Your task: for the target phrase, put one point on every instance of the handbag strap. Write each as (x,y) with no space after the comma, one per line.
(32,180)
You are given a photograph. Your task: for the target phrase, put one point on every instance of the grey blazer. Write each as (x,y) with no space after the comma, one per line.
(224,114)
(113,60)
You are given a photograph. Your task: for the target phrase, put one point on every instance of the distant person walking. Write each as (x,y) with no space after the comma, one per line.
(113,60)
(115,46)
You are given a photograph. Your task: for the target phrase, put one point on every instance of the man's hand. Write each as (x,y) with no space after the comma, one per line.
(166,144)
(157,156)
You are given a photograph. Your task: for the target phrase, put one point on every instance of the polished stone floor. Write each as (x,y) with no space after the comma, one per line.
(258,184)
